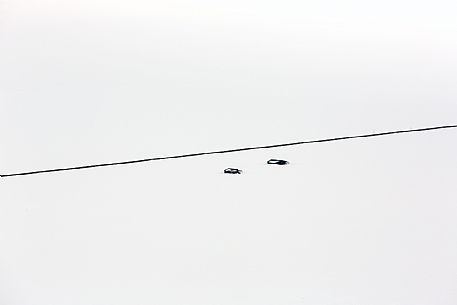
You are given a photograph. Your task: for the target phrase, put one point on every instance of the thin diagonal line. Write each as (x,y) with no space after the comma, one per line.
(227,151)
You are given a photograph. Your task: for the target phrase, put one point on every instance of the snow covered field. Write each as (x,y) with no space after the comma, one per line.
(365,221)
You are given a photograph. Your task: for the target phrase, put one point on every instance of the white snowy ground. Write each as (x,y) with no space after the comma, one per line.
(369,221)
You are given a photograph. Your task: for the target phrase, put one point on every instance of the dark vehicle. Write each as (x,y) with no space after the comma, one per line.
(232,171)
(277,162)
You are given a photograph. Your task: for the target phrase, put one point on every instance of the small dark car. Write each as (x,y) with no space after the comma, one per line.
(232,171)
(277,162)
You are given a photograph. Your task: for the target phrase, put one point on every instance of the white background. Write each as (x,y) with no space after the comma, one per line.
(369,221)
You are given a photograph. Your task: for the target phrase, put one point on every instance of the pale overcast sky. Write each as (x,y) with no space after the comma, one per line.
(368,221)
